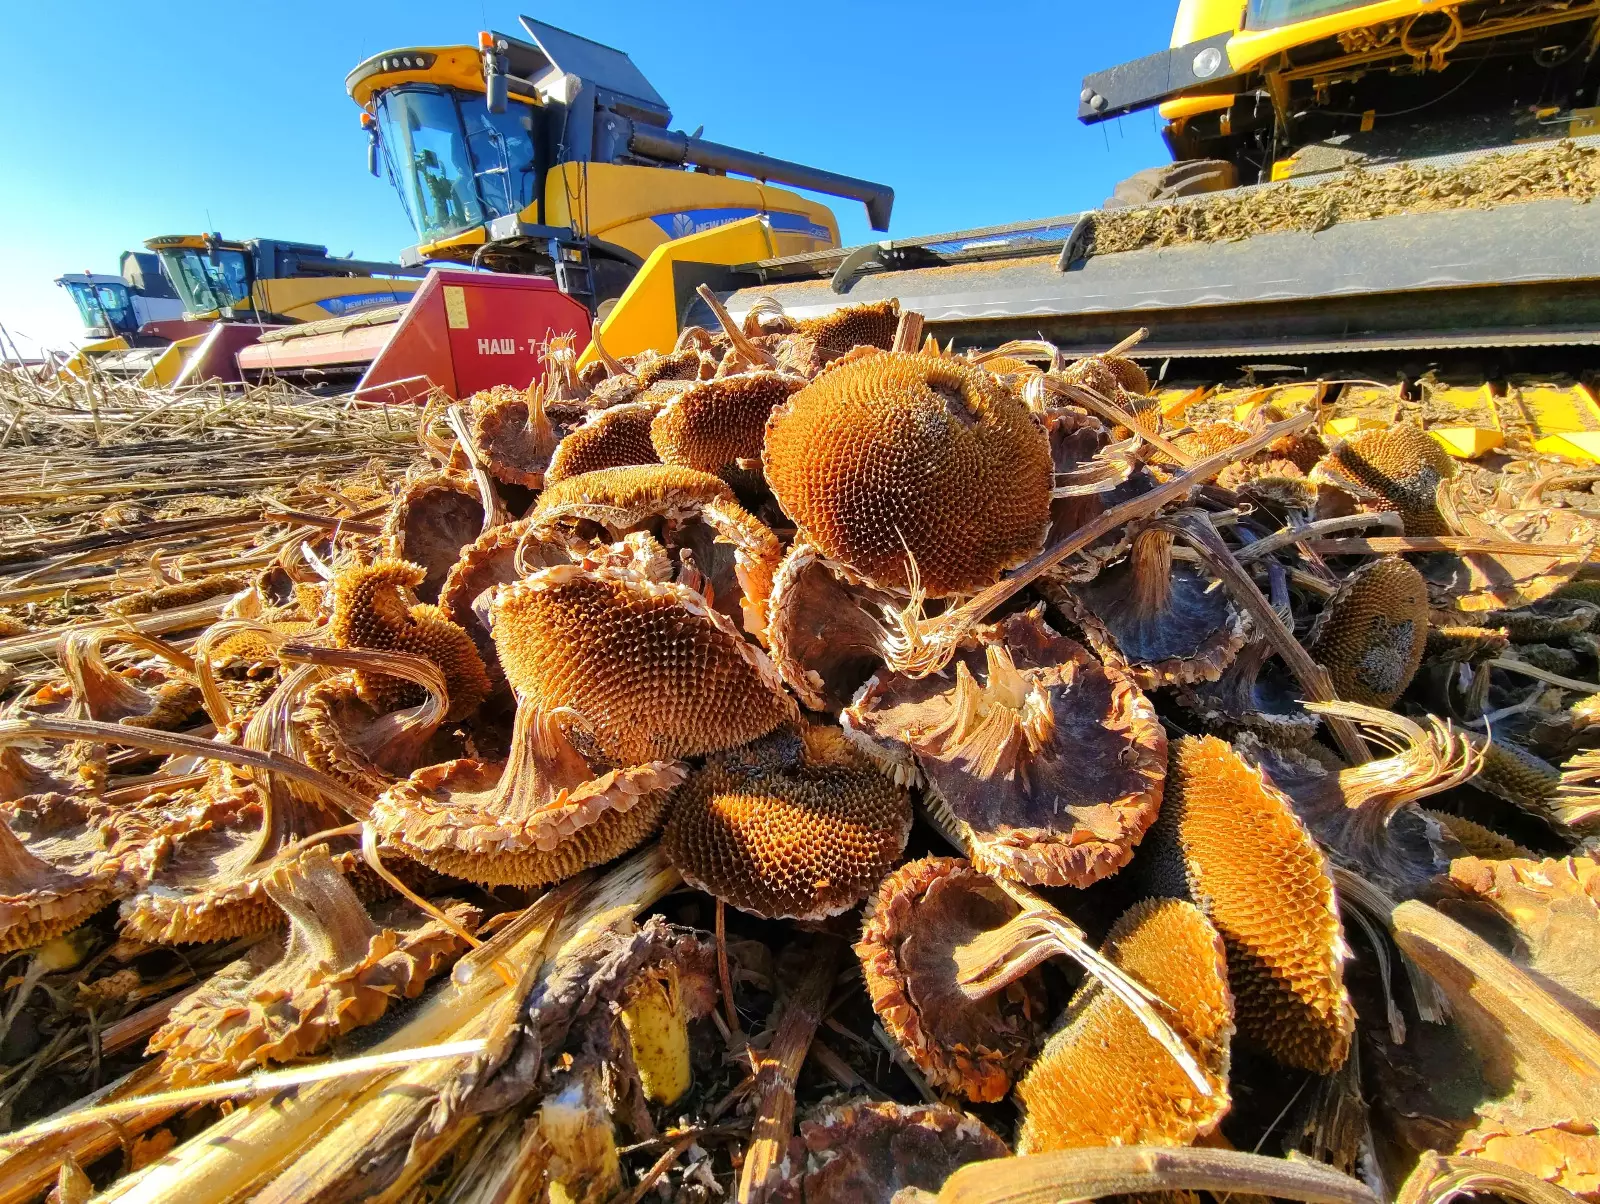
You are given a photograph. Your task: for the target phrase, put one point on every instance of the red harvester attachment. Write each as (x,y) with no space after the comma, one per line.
(461,331)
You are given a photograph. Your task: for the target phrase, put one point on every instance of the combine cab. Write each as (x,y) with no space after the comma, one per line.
(127,319)
(550,163)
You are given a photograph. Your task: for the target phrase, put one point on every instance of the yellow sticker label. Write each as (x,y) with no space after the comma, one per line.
(455,306)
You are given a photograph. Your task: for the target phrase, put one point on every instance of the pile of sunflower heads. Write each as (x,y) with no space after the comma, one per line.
(1063,743)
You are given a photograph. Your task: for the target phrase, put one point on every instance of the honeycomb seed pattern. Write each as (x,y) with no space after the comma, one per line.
(1371,634)
(609,439)
(894,453)
(797,826)
(869,325)
(919,915)
(1106,374)
(1479,841)
(641,489)
(1102,1079)
(1245,472)
(1209,438)
(1260,879)
(1007,365)
(675,365)
(652,671)
(38,901)
(1519,777)
(716,423)
(1395,468)
(372,609)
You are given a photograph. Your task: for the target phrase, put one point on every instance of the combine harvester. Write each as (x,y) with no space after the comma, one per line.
(127,318)
(191,301)
(1393,189)
(240,291)
(548,161)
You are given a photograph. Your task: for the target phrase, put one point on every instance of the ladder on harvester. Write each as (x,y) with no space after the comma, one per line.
(573,274)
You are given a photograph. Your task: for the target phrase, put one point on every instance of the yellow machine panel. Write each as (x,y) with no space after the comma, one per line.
(647,315)
(639,208)
(307,298)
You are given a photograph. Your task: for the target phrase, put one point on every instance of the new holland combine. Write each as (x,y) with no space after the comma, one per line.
(214,296)
(548,160)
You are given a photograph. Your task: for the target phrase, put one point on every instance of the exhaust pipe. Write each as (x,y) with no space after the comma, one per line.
(670,146)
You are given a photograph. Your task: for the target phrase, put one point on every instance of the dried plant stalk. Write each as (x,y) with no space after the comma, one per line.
(1438,1179)
(1088,1174)
(775,1081)
(243,1152)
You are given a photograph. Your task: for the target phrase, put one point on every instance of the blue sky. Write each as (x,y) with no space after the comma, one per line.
(122,121)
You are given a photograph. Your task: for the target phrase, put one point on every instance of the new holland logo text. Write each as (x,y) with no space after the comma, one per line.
(698,221)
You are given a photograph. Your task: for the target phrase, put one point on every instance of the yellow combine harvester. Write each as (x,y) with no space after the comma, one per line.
(275,282)
(551,154)
(229,292)
(1438,252)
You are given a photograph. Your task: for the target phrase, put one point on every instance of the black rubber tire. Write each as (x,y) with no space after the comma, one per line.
(1172,180)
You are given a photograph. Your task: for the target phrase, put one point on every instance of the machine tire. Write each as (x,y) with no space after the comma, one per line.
(1172,180)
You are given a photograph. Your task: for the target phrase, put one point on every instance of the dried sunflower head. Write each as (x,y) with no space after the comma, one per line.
(921,913)
(1046,765)
(111,697)
(610,438)
(1166,622)
(716,547)
(515,431)
(825,634)
(1102,1079)
(1371,634)
(336,731)
(338,971)
(1254,694)
(39,900)
(717,424)
(647,669)
(211,888)
(868,1152)
(539,817)
(1479,841)
(1365,815)
(872,324)
(1395,468)
(798,825)
(901,467)
(430,522)
(1249,864)
(1211,437)
(373,608)
(1107,374)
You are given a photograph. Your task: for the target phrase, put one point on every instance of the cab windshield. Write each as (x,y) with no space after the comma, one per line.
(208,280)
(455,164)
(1270,14)
(104,307)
